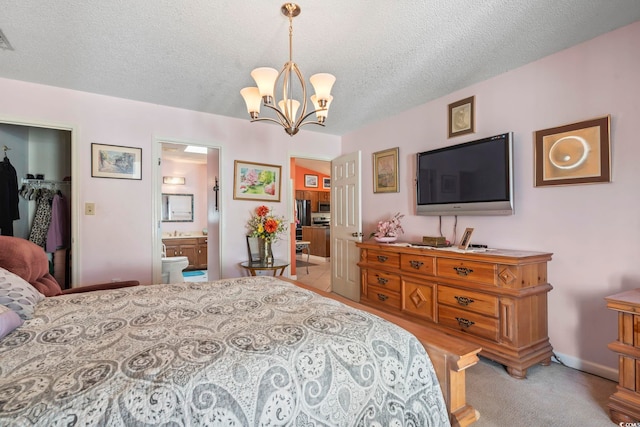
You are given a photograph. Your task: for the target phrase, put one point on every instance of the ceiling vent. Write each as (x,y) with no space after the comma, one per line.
(4,43)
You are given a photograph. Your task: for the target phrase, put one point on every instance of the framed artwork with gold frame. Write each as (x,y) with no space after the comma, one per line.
(577,153)
(462,117)
(385,171)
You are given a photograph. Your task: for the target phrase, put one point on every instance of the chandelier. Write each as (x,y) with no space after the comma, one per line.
(287,109)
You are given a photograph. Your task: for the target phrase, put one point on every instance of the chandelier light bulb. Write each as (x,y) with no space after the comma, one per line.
(252,98)
(322,84)
(265,78)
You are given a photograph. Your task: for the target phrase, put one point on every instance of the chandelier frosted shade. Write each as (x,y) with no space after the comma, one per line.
(291,113)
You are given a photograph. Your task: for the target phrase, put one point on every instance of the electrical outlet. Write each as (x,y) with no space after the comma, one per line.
(89,208)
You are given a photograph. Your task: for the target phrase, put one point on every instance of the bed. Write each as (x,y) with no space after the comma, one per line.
(243,351)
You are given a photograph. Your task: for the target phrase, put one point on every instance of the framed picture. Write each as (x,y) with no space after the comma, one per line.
(311,181)
(115,161)
(462,117)
(256,181)
(385,171)
(579,153)
(326,182)
(466,239)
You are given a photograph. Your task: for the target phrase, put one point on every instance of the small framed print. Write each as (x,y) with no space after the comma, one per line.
(311,181)
(115,161)
(462,117)
(256,181)
(385,171)
(326,182)
(578,153)
(466,239)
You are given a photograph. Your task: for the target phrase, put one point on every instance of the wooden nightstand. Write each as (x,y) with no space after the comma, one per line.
(624,404)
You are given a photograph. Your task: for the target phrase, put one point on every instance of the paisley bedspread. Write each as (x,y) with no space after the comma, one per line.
(251,351)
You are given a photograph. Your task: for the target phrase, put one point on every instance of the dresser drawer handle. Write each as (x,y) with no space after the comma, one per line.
(382,280)
(465,323)
(464,300)
(416,264)
(463,271)
(382,258)
(382,297)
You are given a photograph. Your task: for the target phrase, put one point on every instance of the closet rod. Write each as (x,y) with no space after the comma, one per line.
(43,181)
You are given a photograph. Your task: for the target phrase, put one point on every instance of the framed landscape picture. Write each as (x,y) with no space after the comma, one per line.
(115,161)
(385,171)
(326,182)
(311,181)
(256,181)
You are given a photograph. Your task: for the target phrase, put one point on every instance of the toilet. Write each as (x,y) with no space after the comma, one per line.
(172,267)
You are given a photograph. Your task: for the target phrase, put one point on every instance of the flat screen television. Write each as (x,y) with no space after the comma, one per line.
(473,178)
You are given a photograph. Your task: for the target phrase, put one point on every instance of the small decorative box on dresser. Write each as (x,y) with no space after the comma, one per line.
(496,299)
(624,404)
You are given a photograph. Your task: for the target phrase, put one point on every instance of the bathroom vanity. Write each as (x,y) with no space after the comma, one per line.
(194,248)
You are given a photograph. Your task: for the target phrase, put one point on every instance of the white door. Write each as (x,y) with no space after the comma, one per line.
(346,225)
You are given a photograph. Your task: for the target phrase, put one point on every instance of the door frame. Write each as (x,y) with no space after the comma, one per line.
(291,208)
(156,203)
(76,184)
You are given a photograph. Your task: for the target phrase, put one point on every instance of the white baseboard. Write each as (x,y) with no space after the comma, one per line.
(592,368)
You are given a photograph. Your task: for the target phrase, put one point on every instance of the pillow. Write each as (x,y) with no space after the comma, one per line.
(18,295)
(9,321)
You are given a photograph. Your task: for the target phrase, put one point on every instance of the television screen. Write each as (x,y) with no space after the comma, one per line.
(474,178)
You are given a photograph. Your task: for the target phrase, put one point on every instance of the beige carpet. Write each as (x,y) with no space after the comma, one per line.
(554,396)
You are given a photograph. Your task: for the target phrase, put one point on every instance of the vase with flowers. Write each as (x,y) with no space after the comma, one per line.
(388,231)
(267,228)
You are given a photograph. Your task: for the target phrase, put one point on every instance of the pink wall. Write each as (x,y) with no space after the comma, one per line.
(593,230)
(117,241)
(195,183)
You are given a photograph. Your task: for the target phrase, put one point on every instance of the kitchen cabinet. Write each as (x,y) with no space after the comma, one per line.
(194,248)
(314,196)
(320,240)
(495,299)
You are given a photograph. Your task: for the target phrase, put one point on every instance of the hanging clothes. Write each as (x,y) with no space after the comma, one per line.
(57,233)
(8,197)
(42,219)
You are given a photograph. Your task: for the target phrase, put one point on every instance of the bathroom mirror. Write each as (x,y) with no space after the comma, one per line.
(177,207)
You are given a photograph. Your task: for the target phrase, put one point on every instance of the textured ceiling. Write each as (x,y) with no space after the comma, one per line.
(388,56)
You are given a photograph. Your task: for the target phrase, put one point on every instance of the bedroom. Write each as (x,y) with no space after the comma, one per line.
(592,230)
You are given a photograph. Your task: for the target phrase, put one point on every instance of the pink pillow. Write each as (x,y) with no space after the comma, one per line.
(9,321)
(29,261)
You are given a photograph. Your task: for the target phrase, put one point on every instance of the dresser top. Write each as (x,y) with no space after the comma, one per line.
(490,254)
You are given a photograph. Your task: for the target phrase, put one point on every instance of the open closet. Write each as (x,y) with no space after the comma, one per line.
(41,158)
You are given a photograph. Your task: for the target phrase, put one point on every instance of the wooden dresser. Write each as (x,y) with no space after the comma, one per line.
(624,404)
(496,299)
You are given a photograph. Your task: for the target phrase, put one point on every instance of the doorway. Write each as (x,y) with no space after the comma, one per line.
(187,171)
(42,156)
(311,201)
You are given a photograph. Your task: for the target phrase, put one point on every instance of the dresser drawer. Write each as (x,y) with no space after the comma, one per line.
(385,258)
(468,300)
(383,297)
(388,281)
(480,272)
(417,263)
(473,323)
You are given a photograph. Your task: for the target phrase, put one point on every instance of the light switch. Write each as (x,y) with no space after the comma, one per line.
(89,208)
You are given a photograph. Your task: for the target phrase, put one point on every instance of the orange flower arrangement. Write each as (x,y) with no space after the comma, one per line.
(265,225)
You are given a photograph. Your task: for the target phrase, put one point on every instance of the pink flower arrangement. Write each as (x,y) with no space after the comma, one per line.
(390,227)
